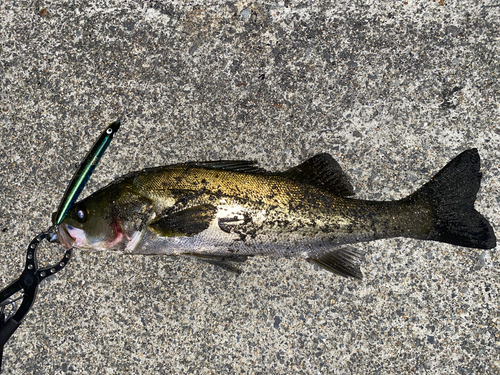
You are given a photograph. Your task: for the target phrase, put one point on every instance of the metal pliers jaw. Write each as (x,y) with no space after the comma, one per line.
(28,282)
(32,276)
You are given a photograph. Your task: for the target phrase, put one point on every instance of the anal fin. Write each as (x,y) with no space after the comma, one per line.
(343,262)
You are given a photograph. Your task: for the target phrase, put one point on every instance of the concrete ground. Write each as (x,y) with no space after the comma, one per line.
(392,89)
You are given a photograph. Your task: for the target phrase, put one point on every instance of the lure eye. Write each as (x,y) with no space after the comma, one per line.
(81,213)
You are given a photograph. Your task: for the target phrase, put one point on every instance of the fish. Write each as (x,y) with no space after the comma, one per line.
(225,211)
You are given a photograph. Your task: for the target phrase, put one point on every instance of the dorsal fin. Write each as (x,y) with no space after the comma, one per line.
(321,171)
(244,166)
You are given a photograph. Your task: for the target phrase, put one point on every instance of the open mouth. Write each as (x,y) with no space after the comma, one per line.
(70,236)
(64,237)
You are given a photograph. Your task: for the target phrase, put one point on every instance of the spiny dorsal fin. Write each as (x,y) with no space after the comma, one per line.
(244,166)
(343,262)
(321,171)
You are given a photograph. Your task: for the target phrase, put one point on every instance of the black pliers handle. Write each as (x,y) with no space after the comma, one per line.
(28,283)
(32,276)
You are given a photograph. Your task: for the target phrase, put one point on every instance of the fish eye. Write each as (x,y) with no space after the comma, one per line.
(81,213)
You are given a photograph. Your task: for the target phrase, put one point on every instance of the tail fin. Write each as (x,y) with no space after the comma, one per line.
(452,192)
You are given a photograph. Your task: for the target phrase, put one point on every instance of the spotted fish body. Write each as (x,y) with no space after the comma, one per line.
(228,210)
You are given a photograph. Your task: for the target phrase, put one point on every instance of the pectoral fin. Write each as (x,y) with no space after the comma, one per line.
(185,223)
(343,262)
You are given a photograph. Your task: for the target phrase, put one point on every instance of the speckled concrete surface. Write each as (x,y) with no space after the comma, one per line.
(392,89)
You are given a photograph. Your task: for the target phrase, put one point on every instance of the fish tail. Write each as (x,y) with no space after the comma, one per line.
(451,194)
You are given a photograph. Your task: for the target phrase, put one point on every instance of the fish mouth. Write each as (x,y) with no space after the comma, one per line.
(70,236)
(64,237)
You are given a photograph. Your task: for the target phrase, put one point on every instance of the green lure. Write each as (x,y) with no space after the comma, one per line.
(84,172)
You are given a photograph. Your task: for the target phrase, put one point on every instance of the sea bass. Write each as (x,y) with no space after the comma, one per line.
(225,211)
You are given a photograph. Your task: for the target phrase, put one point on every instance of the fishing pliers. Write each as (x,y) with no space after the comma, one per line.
(32,275)
(28,283)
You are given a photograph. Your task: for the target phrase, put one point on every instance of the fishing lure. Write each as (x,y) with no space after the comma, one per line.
(86,169)
(32,276)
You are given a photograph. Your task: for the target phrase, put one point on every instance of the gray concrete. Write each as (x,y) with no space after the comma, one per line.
(393,90)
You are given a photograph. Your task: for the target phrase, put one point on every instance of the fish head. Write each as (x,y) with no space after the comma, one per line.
(110,219)
(90,224)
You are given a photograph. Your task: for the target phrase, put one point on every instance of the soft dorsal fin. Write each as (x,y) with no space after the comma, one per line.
(321,171)
(244,166)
